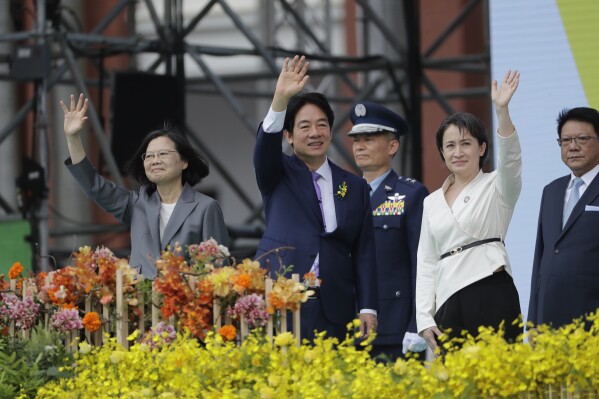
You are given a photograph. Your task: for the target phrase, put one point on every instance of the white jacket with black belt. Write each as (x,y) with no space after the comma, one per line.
(482,210)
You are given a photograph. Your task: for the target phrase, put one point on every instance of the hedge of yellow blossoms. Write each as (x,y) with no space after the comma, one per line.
(486,367)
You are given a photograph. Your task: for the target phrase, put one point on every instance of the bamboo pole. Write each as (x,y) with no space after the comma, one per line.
(11,325)
(25,332)
(155,307)
(296,317)
(122,323)
(141,325)
(88,308)
(269,324)
(243,326)
(216,313)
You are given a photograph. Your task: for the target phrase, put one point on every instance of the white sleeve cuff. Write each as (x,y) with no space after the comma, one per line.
(371,311)
(273,122)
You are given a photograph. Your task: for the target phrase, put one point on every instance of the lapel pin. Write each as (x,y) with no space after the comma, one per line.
(387,188)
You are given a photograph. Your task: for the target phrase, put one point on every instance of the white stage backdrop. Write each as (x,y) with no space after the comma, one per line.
(555,46)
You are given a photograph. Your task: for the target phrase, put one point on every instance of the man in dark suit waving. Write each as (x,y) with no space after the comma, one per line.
(319,209)
(565,275)
(396,203)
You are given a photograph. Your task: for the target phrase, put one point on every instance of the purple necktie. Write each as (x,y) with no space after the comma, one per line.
(315,177)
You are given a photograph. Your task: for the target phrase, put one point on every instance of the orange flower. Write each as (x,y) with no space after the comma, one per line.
(276,302)
(242,281)
(15,270)
(228,332)
(92,322)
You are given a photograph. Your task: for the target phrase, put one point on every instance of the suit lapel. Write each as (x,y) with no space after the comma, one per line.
(302,179)
(185,205)
(339,179)
(153,216)
(589,195)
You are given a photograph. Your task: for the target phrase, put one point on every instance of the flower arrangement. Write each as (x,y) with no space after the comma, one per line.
(342,190)
(183,295)
(287,295)
(207,255)
(24,312)
(66,320)
(561,361)
(252,308)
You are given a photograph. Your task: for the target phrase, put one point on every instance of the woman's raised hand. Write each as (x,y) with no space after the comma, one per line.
(502,95)
(75,117)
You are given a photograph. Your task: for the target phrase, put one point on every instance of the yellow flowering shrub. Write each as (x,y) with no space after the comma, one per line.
(485,367)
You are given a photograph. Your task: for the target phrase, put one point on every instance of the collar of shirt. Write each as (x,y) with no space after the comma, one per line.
(325,172)
(377,182)
(587,178)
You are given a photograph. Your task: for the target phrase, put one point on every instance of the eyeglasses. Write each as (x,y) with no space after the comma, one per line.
(150,156)
(580,140)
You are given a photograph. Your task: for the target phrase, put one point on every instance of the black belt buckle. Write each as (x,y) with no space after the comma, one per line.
(315,292)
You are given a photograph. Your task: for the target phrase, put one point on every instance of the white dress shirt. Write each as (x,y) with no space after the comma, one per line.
(482,210)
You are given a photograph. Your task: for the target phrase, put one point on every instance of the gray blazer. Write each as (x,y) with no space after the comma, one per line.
(196,217)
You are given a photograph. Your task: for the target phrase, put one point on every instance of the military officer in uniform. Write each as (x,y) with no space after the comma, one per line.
(396,203)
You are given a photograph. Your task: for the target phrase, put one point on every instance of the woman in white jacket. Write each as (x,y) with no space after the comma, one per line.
(464,276)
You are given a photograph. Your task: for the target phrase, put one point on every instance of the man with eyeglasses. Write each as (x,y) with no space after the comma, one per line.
(565,276)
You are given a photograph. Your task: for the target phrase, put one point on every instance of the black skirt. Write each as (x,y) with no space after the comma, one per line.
(486,302)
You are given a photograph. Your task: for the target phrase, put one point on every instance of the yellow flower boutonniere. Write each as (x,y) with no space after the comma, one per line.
(342,190)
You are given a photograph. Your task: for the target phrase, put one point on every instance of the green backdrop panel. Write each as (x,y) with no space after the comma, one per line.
(13,246)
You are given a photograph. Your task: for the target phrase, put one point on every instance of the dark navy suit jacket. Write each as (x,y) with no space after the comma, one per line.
(565,275)
(396,236)
(293,218)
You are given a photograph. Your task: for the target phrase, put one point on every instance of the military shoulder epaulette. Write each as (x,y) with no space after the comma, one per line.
(407,179)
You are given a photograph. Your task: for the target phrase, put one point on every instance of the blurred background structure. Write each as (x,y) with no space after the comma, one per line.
(211,66)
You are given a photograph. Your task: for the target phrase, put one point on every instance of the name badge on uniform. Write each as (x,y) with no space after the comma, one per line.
(394,205)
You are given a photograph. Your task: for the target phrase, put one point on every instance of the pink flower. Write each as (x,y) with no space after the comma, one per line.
(66,320)
(23,312)
(106,299)
(252,308)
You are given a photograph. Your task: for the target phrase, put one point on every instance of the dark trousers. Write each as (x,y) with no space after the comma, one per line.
(486,302)
(390,353)
(312,318)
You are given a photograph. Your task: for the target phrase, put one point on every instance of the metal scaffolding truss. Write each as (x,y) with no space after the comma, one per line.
(397,77)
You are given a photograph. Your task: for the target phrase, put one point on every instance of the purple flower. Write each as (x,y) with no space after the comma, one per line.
(23,312)
(252,308)
(160,334)
(66,320)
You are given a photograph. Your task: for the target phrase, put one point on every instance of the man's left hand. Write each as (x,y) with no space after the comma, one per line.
(368,324)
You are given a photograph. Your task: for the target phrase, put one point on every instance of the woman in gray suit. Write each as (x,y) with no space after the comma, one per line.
(166,210)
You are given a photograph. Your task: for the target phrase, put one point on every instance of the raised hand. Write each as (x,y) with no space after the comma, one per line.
(75,116)
(292,79)
(502,95)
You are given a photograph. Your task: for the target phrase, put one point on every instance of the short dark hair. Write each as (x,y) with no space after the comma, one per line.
(197,166)
(298,101)
(580,114)
(465,122)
